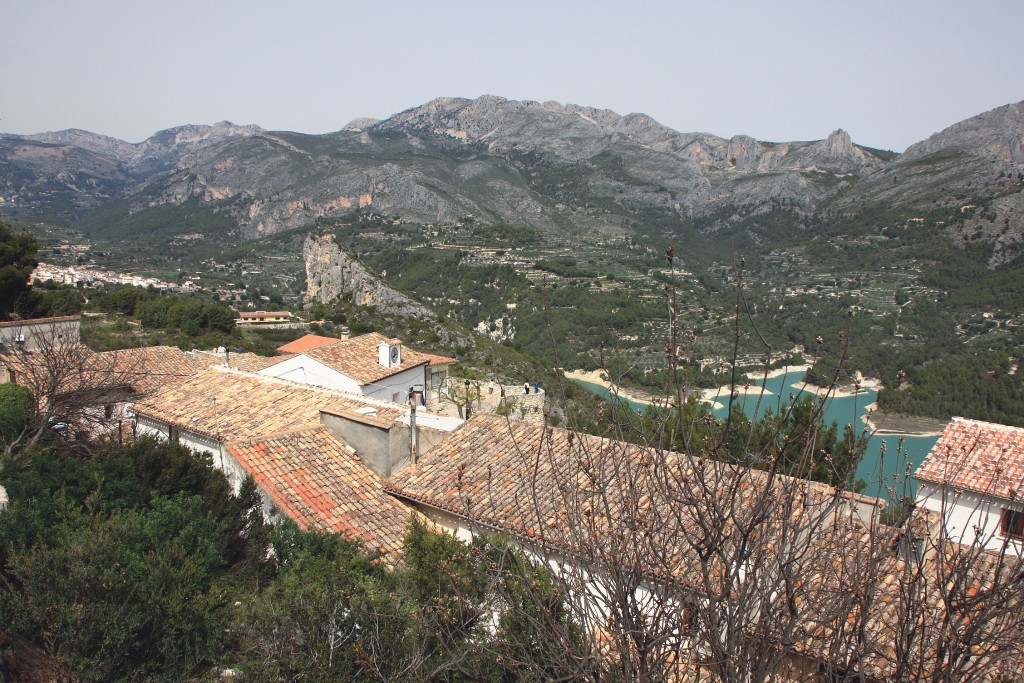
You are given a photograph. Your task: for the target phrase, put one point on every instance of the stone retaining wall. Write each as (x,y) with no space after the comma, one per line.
(523,406)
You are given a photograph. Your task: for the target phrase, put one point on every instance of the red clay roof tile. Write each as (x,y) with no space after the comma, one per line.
(305,343)
(977,456)
(358,357)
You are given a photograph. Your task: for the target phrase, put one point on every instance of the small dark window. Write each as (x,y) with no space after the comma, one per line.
(1013,523)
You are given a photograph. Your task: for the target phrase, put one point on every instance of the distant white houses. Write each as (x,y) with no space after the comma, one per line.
(72,275)
(973,478)
(263,317)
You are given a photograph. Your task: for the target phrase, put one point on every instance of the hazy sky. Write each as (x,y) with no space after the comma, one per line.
(890,72)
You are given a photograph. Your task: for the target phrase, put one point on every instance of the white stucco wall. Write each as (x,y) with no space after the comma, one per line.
(970,518)
(305,370)
(144,426)
(387,388)
(222,460)
(596,595)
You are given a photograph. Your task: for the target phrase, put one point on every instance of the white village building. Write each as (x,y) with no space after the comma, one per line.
(973,478)
(370,365)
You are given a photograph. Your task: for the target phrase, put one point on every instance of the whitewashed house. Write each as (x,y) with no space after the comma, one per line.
(973,479)
(369,365)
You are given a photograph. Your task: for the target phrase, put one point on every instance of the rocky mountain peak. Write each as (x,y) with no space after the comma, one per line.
(839,143)
(523,162)
(360,124)
(192,134)
(835,154)
(743,153)
(998,133)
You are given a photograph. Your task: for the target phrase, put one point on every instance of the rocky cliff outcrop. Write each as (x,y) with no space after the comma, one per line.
(979,161)
(332,273)
(997,134)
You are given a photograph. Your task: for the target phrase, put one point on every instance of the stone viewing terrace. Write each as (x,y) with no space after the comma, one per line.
(487,397)
(526,406)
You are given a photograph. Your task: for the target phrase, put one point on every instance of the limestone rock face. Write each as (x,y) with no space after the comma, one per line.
(159,152)
(999,133)
(977,161)
(555,167)
(839,143)
(332,273)
(743,153)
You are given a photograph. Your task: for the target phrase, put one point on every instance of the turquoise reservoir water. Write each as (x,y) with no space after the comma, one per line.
(876,469)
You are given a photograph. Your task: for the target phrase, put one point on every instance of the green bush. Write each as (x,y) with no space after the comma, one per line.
(118,566)
(15,410)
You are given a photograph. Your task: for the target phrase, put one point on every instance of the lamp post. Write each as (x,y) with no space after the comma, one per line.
(468,402)
(413,437)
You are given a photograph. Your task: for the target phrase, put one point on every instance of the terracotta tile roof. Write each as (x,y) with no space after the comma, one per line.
(250,362)
(528,480)
(64,369)
(977,456)
(305,343)
(151,367)
(439,360)
(39,321)
(358,357)
(246,362)
(321,483)
(538,483)
(230,405)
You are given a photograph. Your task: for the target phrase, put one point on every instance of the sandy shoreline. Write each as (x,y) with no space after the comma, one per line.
(753,386)
(842,390)
(711,396)
(877,422)
(894,424)
(599,378)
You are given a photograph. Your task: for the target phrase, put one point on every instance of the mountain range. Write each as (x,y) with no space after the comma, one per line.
(559,168)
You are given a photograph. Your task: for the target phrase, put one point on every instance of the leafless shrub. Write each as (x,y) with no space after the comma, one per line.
(679,562)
